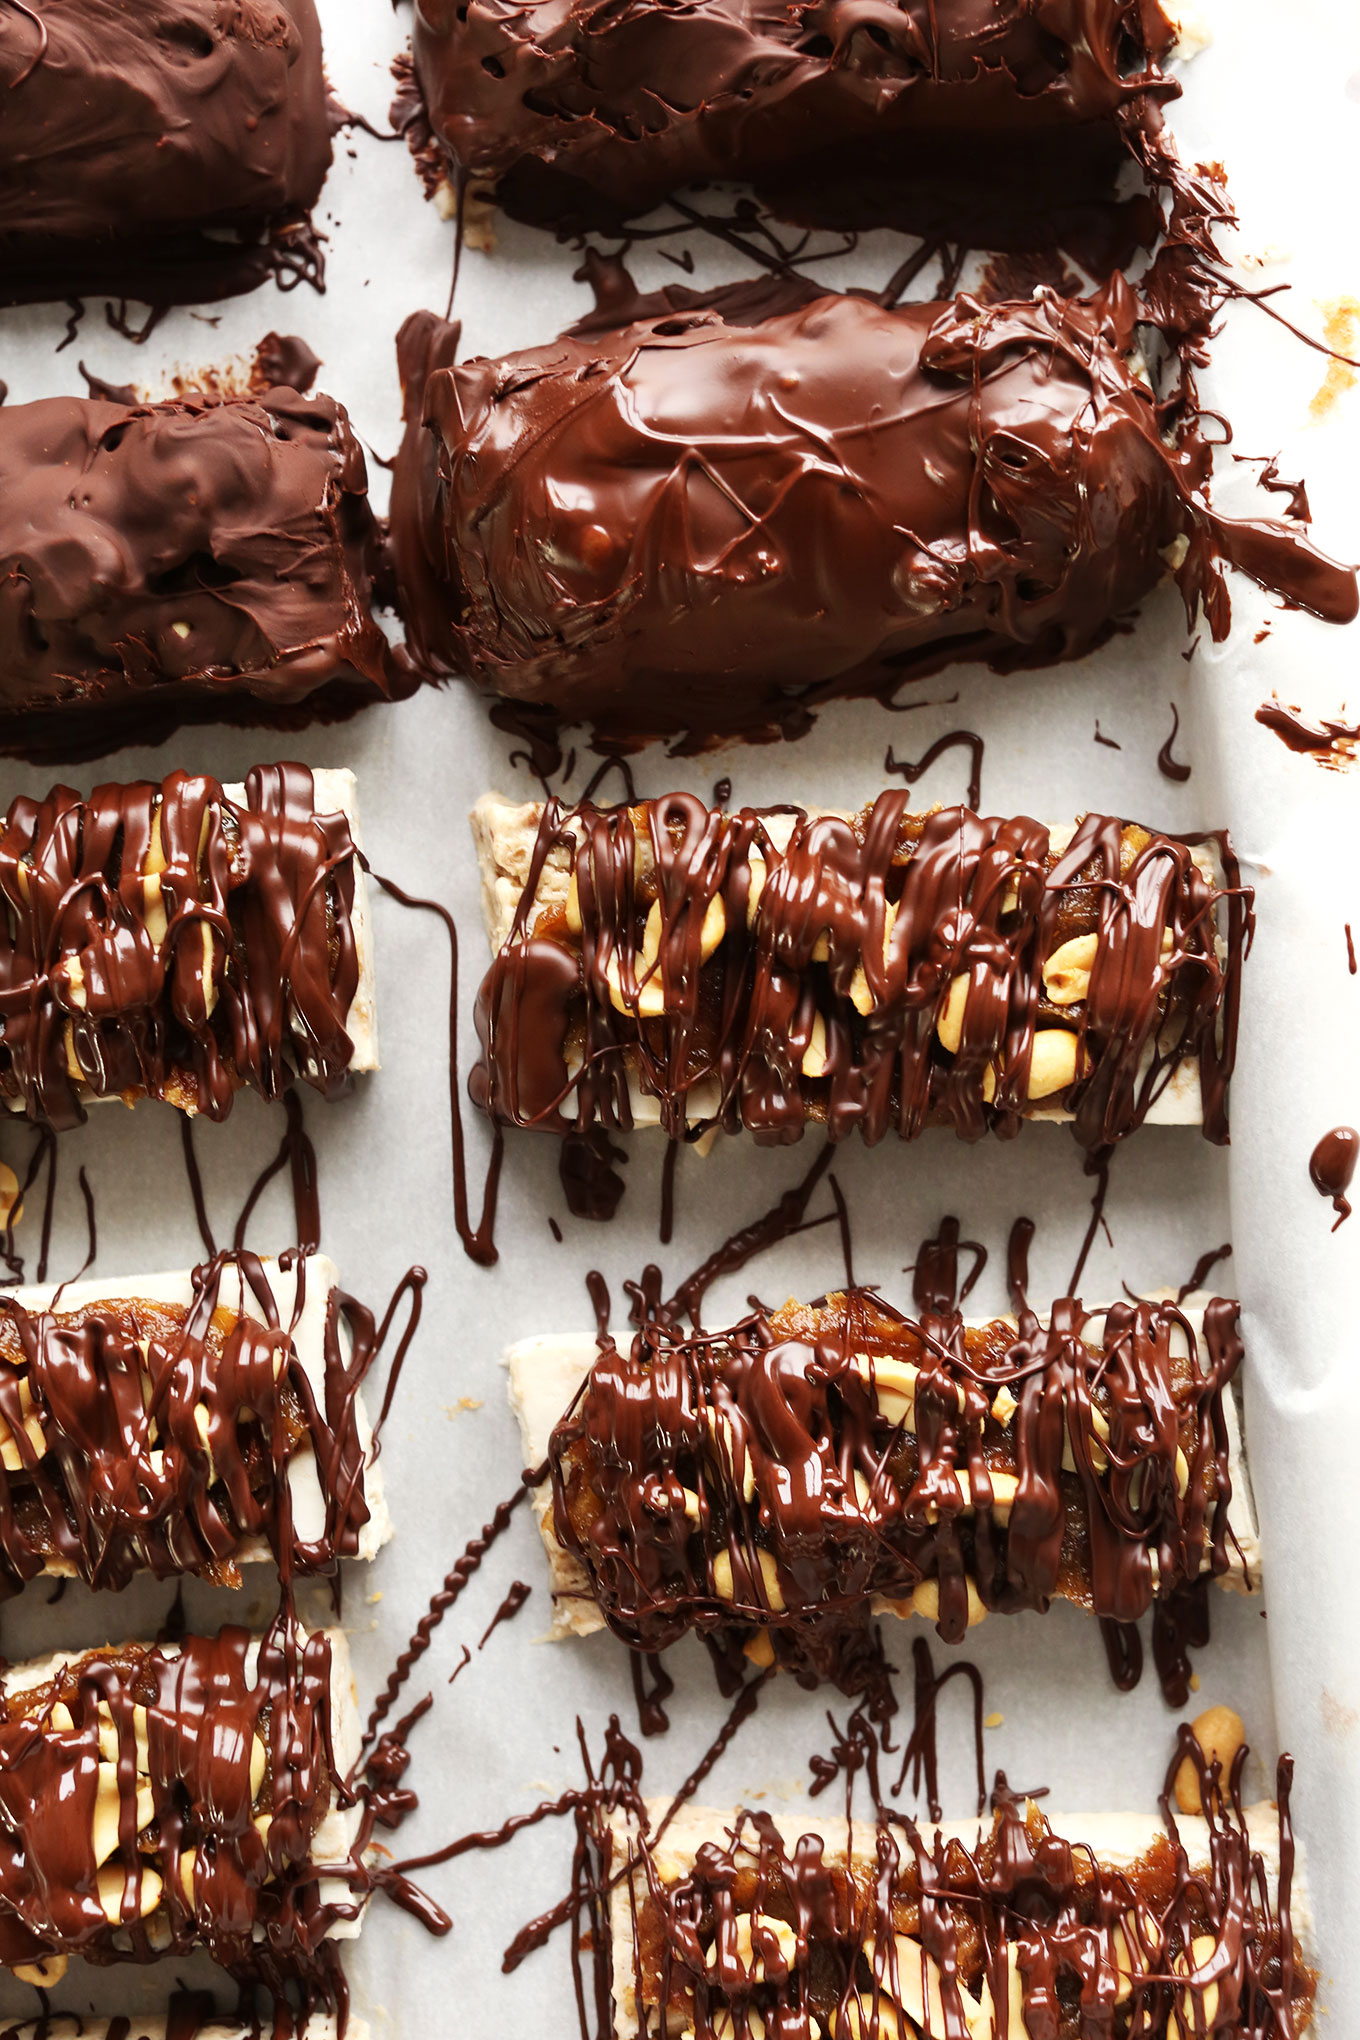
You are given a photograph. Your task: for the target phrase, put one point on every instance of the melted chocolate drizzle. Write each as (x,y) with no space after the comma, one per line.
(163,940)
(150,1437)
(805,973)
(768,1485)
(1087,1948)
(1331,740)
(220,1744)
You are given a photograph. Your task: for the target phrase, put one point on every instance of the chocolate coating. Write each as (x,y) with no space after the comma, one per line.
(158,1438)
(200,559)
(708,522)
(170,153)
(919,110)
(166,940)
(814,970)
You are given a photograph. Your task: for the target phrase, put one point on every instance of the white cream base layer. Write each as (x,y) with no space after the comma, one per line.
(335,1837)
(309,1339)
(545,1374)
(505,832)
(321,2026)
(336,793)
(1116,1840)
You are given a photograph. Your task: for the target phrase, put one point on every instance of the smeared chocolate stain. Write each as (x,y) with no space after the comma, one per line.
(509,1608)
(107,392)
(282,360)
(1330,740)
(963,740)
(588,1176)
(1331,1168)
(1110,743)
(1350,950)
(1167,765)
(1199,1275)
(652,1688)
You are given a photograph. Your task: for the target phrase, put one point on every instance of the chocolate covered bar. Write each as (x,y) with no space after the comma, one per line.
(708,522)
(776,1485)
(673,964)
(184,1424)
(170,153)
(243,591)
(743,1925)
(160,1798)
(181,940)
(988,119)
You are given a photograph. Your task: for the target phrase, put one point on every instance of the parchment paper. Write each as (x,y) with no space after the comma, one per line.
(504,1736)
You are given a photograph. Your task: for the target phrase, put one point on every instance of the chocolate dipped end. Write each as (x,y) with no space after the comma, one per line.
(698,527)
(884,973)
(202,559)
(987,122)
(167,154)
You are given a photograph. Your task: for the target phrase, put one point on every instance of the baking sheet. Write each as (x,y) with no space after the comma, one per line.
(504,1736)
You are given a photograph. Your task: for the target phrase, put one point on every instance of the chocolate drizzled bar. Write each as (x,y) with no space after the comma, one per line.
(185,2025)
(776,1485)
(157,1799)
(685,525)
(184,1424)
(739,1926)
(170,153)
(182,940)
(673,964)
(245,551)
(590,115)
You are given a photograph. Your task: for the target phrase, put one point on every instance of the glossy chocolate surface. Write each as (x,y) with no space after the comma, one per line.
(200,559)
(165,940)
(922,111)
(170,153)
(707,522)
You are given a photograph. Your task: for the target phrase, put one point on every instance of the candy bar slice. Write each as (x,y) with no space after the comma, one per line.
(776,1485)
(970,116)
(738,1926)
(673,964)
(184,1423)
(684,526)
(166,154)
(246,551)
(183,940)
(181,2024)
(159,1798)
